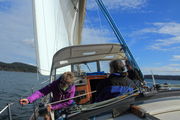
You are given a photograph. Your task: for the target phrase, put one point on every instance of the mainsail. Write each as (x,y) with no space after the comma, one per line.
(58,24)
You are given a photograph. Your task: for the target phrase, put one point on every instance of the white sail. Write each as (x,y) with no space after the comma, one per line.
(57,23)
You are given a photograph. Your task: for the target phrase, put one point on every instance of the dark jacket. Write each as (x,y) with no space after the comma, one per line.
(120,79)
(117,84)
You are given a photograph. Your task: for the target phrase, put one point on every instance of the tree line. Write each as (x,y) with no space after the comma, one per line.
(18,67)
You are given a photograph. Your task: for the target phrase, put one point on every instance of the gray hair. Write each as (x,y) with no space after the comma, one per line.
(117,66)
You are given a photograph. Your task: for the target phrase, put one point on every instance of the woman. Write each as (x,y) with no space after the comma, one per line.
(61,88)
(117,83)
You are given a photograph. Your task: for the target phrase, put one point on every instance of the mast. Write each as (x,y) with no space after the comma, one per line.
(118,35)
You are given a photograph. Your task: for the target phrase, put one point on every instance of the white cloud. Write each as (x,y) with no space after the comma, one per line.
(96,36)
(29,42)
(175,58)
(174,65)
(164,44)
(118,4)
(171,69)
(171,29)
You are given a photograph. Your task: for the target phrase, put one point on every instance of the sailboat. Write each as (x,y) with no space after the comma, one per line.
(58,26)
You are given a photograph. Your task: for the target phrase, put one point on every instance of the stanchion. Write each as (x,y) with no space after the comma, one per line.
(9,111)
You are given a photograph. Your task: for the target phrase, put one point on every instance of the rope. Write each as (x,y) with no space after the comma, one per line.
(49,80)
(111,101)
(45,81)
(71,98)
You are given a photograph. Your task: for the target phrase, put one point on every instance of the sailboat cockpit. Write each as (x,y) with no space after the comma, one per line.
(89,63)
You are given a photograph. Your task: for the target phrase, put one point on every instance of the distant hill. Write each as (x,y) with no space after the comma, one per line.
(18,67)
(22,67)
(163,77)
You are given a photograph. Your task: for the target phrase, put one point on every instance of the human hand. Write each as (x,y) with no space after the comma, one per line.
(24,101)
(48,108)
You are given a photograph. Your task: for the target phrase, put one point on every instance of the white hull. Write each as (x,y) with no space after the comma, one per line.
(167,108)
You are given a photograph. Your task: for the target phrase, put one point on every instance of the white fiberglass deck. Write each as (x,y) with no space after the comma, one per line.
(167,108)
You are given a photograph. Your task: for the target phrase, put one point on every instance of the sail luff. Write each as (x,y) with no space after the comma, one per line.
(35,33)
(57,25)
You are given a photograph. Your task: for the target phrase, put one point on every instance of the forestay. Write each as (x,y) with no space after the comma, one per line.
(57,23)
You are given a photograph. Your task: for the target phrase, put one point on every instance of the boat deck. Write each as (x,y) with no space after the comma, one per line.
(167,108)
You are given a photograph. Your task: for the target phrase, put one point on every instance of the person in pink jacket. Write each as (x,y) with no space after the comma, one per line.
(62,88)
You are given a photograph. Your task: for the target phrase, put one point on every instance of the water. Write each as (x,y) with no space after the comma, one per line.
(150,82)
(16,85)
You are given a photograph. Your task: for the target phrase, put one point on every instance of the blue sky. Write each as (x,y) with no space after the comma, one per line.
(151,29)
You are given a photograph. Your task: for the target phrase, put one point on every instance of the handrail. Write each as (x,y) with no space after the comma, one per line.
(3,109)
(9,110)
(71,98)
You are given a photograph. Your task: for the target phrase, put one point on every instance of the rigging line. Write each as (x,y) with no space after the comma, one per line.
(117,32)
(71,98)
(100,22)
(48,80)
(73,26)
(110,102)
(37,74)
(111,22)
(154,81)
(88,67)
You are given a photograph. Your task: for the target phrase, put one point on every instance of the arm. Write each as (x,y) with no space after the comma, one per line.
(42,92)
(66,103)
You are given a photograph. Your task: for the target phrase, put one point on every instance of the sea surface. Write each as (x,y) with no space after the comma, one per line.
(16,85)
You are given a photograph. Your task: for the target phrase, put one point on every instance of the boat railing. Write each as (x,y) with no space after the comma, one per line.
(8,106)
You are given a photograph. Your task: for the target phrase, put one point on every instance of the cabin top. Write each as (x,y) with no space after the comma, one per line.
(87,53)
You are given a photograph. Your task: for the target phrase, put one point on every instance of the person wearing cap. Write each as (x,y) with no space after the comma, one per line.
(62,88)
(117,83)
